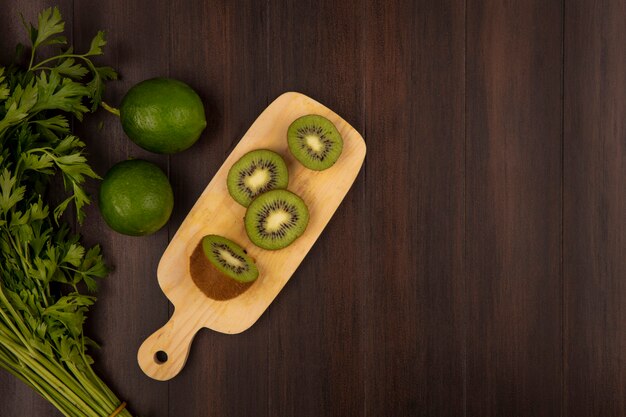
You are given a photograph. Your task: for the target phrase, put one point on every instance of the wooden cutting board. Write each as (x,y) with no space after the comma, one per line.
(216,212)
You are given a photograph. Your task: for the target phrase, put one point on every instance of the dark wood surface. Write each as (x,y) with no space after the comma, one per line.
(594,210)
(513,208)
(478,265)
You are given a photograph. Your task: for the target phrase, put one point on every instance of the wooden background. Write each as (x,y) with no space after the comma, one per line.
(478,265)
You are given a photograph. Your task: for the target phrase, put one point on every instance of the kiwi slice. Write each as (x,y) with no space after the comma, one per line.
(275,219)
(256,173)
(314,141)
(229,258)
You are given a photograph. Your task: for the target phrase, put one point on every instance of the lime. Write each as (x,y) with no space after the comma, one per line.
(162,115)
(136,198)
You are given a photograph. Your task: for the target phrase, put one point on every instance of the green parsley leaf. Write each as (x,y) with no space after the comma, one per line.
(96,44)
(71,68)
(10,195)
(41,162)
(96,85)
(18,106)
(50,23)
(63,94)
(4,87)
(58,123)
(74,255)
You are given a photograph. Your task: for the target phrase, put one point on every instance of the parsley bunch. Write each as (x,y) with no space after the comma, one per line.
(43,266)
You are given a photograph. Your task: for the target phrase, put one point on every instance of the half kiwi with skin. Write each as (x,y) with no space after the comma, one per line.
(229,258)
(315,142)
(275,219)
(255,173)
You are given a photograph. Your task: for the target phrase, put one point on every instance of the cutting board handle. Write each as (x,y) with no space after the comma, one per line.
(163,354)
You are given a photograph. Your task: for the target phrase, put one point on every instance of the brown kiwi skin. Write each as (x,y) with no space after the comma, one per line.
(212,282)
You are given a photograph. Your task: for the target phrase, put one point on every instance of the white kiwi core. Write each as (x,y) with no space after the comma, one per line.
(314,142)
(257,179)
(229,258)
(276,219)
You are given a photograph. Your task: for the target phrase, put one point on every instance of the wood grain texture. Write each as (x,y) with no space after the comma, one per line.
(415,190)
(316,324)
(594,223)
(469,272)
(513,203)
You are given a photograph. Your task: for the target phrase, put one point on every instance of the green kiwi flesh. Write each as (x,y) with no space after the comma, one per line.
(275,219)
(314,141)
(229,258)
(255,173)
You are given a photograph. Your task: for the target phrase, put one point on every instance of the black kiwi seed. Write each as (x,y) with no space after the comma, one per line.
(217,252)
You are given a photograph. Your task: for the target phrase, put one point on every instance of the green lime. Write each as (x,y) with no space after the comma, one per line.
(162,115)
(136,198)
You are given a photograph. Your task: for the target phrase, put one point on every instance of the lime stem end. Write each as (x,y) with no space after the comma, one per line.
(111,109)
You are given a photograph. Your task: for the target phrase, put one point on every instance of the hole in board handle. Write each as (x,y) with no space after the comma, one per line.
(160,357)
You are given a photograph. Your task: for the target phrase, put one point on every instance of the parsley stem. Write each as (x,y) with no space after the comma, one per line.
(110,109)
(54,58)
(20,331)
(58,382)
(42,386)
(88,384)
(32,58)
